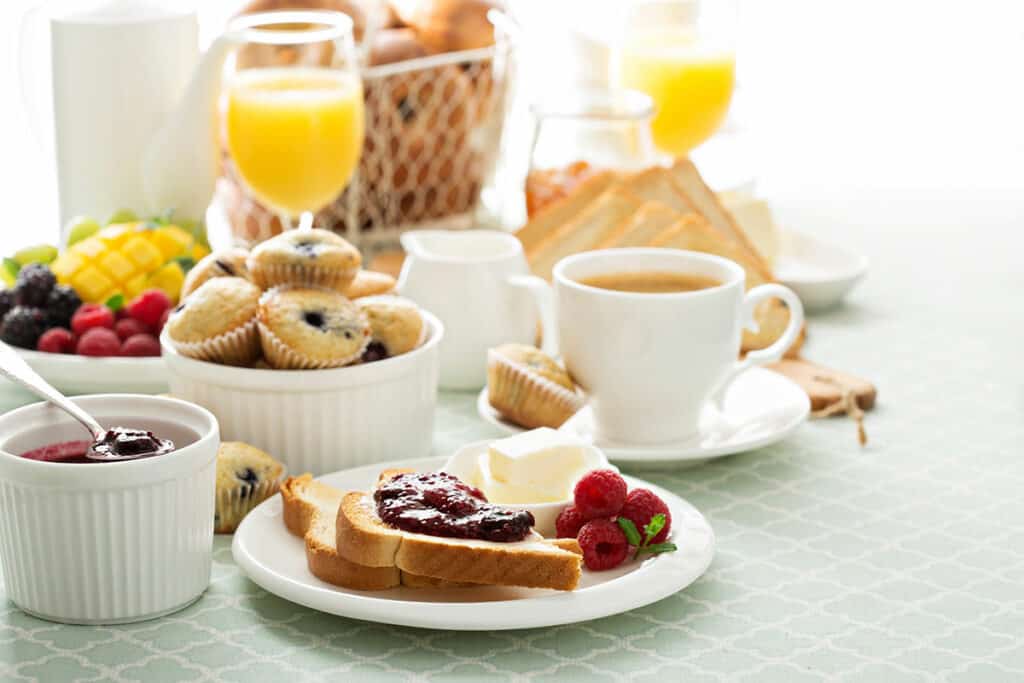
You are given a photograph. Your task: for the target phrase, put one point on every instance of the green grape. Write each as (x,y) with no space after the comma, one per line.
(42,253)
(80,228)
(122,216)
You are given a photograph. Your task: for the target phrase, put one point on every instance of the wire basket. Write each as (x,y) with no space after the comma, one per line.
(433,131)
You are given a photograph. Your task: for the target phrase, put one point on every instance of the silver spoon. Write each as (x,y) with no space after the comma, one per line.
(14,368)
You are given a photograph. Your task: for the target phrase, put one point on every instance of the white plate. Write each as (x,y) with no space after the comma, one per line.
(821,273)
(276,560)
(88,375)
(760,408)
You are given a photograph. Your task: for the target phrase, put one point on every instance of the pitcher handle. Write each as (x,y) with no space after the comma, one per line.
(774,351)
(29,80)
(544,297)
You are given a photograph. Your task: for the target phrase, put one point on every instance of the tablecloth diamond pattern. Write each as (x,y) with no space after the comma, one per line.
(900,562)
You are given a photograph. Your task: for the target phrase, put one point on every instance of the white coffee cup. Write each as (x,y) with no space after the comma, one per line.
(650,362)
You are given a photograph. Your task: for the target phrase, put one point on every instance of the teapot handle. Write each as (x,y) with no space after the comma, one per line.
(32,79)
(544,297)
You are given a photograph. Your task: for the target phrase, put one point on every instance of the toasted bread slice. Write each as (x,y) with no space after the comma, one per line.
(655,184)
(565,210)
(600,220)
(639,229)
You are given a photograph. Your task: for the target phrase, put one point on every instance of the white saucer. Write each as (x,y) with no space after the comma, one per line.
(760,408)
(276,560)
(821,273)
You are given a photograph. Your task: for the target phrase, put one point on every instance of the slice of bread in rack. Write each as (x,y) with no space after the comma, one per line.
(649,220)
(565,210)
(364,539)
(655,184)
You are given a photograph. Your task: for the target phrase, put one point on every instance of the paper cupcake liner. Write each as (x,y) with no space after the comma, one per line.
(234,504)
(283,357)
(268,276)
(526,398)
(240,346)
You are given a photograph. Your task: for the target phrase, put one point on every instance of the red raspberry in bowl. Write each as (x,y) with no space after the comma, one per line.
(569,522)
(127,327)
(149,307)
(89,316)
(98,341)
(640,506)
(56,340)
(603,543)
(163,320)
(140,345)
(600,493)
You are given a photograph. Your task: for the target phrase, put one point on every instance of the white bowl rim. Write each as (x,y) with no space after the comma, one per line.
(125,362)
(303,380)
(857,263)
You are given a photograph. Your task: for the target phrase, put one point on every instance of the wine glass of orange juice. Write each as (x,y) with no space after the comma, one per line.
(680,52)
(293,109)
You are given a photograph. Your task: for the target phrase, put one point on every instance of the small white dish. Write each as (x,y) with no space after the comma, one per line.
(73,374)
(106,543)
(820,272)
(760,407)
(464,466)
(276,561)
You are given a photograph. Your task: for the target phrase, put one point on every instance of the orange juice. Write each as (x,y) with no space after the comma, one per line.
(295,134)
(691,84)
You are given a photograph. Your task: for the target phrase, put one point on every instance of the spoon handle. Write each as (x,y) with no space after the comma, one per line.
(14,368)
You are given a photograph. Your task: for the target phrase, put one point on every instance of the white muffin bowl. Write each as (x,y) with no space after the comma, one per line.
(106,543)
(320,421)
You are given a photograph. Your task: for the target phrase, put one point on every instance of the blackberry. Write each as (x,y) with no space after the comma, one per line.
(61,305)
(23,326)
(6,301)
(33,285)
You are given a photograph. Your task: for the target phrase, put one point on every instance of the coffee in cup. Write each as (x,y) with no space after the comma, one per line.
(650,282)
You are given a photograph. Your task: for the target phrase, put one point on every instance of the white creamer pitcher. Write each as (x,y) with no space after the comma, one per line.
(479,284)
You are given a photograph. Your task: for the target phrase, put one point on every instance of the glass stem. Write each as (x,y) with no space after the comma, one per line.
(306,221)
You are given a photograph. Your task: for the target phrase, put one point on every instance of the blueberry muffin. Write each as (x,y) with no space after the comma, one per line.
(224,263)
(530,388)
(305,258)
(396,326)
(217,322)
(305,328)
(370,283)
(246,476)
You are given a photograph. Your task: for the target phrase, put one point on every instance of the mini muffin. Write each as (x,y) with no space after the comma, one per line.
(305,258)
(225,263)
(246,476)
(304,329)
(529,388)
(396,326)
(217,322)
(370,283)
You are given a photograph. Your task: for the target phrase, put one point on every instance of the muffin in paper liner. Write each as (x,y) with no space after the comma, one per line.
(282,355)
(305,258)
(526,397)
(271,275)
(246,476)
(240,346)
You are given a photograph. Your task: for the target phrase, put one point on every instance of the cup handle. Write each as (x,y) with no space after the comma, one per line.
(544,297)
(774,351)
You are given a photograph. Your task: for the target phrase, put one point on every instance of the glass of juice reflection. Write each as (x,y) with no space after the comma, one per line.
(681,54)
(295,130)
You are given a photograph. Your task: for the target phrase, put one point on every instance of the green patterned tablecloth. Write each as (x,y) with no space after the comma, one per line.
(901,561)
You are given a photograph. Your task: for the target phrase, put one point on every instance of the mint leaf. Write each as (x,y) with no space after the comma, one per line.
(115,303)
(628,528)
(186,263)
(653,527)
(659,548)
(11,266)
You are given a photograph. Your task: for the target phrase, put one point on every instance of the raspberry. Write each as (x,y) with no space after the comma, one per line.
(604,544)
(7,301)
(23,326)
(163,320)
(569,523)
(33,285)
(56,340)
(600,493)
(149,307)
(61,305)
(640,506)
(140,345)
(128,327)
(91,315)
(98,341)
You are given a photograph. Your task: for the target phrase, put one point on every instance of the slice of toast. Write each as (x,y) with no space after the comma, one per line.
(364,539)
(639,229)
(826,386)
(565,210)
(596,223)
(655,184)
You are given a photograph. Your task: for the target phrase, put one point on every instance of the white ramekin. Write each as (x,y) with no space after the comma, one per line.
(320,421)
(106,543)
